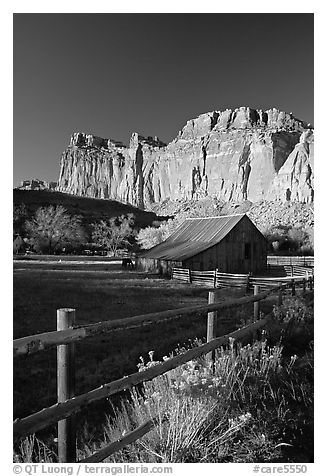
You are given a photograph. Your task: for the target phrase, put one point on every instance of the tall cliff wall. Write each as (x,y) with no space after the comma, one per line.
(241,154)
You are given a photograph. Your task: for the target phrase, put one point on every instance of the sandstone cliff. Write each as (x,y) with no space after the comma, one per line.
(241,154)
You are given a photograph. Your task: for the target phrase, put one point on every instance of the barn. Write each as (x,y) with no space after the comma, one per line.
(231,244)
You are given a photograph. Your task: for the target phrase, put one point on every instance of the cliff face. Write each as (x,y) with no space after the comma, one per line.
(241,154)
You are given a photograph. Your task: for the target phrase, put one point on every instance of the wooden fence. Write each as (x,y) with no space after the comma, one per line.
(215,279)
(290,260)
(296,270)
(68,405)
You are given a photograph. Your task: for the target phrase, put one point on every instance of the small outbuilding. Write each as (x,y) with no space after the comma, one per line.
(231,244)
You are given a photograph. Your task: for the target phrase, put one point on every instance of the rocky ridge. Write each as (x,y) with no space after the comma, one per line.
(233,155)
(265,214)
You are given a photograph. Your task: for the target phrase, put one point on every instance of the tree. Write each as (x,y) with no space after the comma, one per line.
(155,234)
(115,233)
(19,218)
(52,229)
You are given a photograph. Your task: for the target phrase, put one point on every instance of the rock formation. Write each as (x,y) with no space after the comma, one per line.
(241,154)
(36,184)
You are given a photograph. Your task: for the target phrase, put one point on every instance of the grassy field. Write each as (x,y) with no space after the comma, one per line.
(98,292)
(103,291)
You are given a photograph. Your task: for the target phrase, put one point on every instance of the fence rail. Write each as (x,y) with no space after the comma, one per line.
(39,420)
(215,279)
(43,341)
(295,270)
(290,260)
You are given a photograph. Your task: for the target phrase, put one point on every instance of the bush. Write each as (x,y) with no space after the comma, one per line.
(252,408)
(290,239)
(294,323)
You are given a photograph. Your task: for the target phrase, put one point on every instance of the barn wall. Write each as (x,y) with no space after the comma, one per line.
(229,256)
(151,265)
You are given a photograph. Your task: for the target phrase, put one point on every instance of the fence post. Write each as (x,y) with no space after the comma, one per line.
(280,296)
(311,283)
(190,275)
(211,326)
(304,286)
(293,287)
(215,279)
(66,388)
(256,305)
(247,289)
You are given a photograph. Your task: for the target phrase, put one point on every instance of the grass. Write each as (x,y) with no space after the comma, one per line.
(256,406)
(99,292)
(261,380)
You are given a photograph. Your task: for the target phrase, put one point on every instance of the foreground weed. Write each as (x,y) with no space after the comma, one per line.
(32,450)
(250,408)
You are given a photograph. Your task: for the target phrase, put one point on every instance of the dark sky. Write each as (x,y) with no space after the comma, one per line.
(113,74)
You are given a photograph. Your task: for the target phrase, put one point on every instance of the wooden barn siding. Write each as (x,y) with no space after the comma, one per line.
(228,255)
(151,265)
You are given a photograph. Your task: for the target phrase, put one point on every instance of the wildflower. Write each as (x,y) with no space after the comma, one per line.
(156,395)
(245,418)
(151,353)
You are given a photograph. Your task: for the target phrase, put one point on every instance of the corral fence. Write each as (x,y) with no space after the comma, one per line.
(290,260)
(63,412)
(215,279)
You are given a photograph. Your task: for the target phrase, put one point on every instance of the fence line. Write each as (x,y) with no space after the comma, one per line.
(39,420)
(225,280)
(294,270)
(290,260)
(39,342)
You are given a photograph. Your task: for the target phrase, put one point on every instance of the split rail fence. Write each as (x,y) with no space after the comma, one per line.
(63,412)
(215,279)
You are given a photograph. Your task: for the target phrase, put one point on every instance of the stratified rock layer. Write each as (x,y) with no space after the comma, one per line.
(241,154)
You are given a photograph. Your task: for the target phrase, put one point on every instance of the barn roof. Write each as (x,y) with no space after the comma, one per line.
(192,237)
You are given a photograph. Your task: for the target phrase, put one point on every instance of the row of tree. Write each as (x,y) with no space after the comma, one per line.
(53,230)
(290,239)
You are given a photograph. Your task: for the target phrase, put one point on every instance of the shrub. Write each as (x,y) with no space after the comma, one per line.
(290,239)
(247,410)
(294,323)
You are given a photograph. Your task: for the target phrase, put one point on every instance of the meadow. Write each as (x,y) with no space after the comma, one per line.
(98,292)
(105,291)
